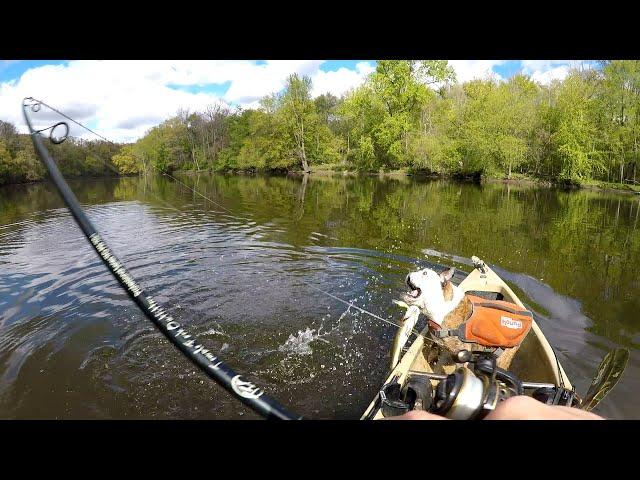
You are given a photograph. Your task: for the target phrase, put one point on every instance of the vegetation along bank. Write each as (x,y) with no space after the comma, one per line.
(408,116)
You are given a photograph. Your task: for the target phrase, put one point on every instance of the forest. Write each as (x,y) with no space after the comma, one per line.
(408,114)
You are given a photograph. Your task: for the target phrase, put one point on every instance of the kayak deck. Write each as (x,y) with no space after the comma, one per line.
(535,360)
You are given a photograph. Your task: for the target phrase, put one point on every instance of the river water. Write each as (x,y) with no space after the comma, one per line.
(242,268)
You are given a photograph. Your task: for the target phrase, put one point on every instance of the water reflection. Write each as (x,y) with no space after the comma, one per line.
(237,269)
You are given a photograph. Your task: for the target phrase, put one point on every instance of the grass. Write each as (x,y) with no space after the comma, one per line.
(610,186)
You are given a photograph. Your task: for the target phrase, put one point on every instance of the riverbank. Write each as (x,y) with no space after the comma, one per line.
(617,187)
(516,179)
(333,171)
(587,185)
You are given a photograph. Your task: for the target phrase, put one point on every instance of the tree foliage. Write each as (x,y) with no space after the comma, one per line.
(407,113)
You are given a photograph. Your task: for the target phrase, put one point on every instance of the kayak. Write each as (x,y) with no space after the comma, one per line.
(535,360)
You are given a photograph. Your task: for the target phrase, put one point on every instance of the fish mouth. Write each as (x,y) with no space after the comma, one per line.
(414,291)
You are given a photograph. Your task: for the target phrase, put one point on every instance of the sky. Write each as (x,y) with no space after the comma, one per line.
(122,99)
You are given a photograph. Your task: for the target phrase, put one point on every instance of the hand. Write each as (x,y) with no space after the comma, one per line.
(516,408)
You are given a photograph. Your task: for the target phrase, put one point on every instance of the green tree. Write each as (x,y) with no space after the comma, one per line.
(619,97)
(298,114)
(574,136)
(387,107)
(126,161)
(5,162)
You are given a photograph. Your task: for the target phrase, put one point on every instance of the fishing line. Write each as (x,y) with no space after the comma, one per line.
(66,134)
(196,192)
(243,390)
(358,308)
(213,202)
(37,105)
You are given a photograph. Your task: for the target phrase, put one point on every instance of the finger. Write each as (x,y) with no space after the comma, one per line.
(577,413)
(527,408)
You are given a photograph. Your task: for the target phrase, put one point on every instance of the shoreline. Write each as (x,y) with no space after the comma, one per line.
(594,185)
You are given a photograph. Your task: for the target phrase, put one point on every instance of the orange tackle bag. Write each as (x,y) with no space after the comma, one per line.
(492,323)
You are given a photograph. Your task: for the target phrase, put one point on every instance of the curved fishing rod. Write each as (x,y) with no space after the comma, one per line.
(244,390)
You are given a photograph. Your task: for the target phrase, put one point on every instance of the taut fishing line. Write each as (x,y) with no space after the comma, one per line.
(358,308)
(211,364)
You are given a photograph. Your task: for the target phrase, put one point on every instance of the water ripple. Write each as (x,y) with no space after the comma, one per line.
(72,345)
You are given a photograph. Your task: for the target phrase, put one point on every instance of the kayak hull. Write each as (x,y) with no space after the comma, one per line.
(535,360)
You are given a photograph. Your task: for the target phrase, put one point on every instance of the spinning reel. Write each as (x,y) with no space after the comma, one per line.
(470,393)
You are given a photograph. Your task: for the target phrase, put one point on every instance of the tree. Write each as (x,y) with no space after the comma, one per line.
(620,104)
(575,134)
(5,162)
(9,134)
(361,112)
(126,161)
(401,85)
(325,106)
(22,167)
(298,113)
(389,103)
(513,112)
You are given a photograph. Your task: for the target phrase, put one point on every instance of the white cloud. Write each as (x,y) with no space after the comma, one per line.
(542,71)
(342,80)
(107,93)
(474,69)
(529,67)
(545,71)
(261,80)
(123,99)
(546,77)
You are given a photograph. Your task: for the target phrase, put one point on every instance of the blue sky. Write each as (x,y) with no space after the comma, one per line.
(125,98)
(508,69)
(13,69)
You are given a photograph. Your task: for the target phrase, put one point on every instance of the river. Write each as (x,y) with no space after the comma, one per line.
(241,263)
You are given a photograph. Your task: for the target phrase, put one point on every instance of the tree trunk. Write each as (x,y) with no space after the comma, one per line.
(635,158)
(348,145)
(305,165)
(214,155)
(195,160)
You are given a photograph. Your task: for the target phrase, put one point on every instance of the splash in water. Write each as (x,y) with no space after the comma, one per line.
(300,344)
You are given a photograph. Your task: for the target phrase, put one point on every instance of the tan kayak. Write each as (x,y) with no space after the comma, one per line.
(534,361)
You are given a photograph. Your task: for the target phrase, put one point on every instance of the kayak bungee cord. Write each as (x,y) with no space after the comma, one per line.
(244,390)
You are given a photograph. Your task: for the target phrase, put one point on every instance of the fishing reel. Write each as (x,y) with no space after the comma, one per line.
(469,393)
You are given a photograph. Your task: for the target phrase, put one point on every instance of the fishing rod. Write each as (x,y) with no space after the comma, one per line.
(245,391)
